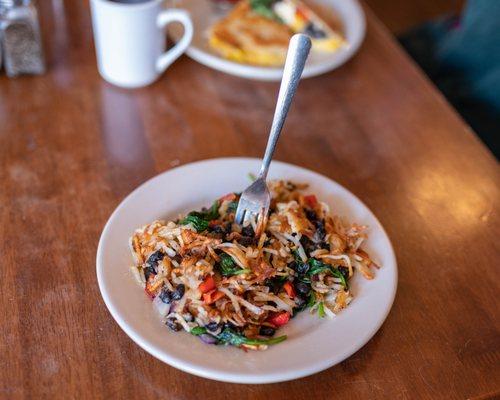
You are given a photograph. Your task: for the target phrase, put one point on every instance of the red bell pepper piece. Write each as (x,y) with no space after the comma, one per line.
(311,200)
(279,319)
(212,296)
(290,291)
(207,285)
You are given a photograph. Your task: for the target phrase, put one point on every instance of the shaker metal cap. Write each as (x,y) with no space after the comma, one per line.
(12,3)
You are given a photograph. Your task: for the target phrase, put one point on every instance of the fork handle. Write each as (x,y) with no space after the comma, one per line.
(298,51)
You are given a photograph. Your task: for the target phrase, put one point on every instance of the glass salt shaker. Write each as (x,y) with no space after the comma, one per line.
(20,37)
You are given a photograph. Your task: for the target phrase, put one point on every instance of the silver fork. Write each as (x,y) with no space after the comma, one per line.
(255,199)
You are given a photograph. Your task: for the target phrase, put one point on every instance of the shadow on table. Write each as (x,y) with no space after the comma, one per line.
(166,382)
(126,148)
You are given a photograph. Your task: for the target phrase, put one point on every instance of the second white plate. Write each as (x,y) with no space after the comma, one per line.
(313,344)
(349,12)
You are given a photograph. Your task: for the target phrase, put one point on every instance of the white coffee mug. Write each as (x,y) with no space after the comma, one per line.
(130,39)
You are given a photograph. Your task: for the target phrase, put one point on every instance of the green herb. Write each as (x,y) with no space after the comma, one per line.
(318,267)
(208,215)
(228,267)
(199,224)
(232,206)
(321,310)
(264,8)
(228,336)
(200,219)
(198,330)
(252,177)
(340,275)
(312,299)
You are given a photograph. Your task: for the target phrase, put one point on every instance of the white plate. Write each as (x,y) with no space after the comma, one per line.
(202,12)
(313,344)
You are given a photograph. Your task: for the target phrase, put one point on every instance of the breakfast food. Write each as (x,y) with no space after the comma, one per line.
(258,31)
(221,282)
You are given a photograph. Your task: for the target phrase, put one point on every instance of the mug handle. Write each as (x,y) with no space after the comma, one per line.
(164,18)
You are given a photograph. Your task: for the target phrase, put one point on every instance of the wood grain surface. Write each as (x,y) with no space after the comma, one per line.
(72,146)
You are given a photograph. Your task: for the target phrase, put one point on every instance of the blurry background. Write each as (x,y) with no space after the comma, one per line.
(457,44)
(401,15)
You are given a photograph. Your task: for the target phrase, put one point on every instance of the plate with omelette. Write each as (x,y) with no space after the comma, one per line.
(249,38)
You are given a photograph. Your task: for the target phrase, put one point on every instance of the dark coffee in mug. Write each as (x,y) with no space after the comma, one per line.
(129,1)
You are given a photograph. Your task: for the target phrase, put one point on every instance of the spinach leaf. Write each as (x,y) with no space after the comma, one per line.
(201,219)
(232,206)
(312,299)
(321,310)
(264,8)
(228,336)
(208,215)
(198,330)
(228,267)
(337,274)
(199,224)
(318,267)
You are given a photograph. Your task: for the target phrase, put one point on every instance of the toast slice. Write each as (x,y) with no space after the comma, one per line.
(249,37)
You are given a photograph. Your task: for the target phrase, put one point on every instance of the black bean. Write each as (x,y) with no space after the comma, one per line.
(219,229)
(320,233)
(308,244)
(267,331)
(299,267)
(247,231)
(178,292)
(310,214)
(300,302)
(302,268)
(165,295)
(154,259)
(314,31)
(274,285)
(230,325)
(212,326)
(247,241)
(344,271)
(148,271)
(302,288)
(173,324)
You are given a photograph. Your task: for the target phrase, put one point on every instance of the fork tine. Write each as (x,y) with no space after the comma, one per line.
(240,213)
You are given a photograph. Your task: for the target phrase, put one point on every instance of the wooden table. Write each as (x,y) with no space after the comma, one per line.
(72,146)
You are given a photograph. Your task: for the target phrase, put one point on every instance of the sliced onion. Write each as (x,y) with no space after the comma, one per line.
(271,297)
(253,308)
(162,308)
(233,298)
(329,313)
(208,339)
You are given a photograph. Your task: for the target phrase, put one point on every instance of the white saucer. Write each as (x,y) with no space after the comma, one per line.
(203,14)
(313,344)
